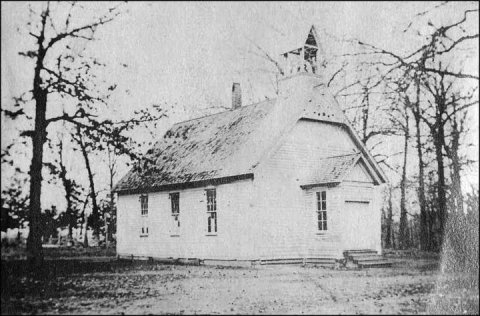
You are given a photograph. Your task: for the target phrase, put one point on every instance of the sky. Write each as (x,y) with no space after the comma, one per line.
(188,54)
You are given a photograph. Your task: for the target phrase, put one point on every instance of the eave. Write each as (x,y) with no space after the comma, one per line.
(323,184)
(186,185)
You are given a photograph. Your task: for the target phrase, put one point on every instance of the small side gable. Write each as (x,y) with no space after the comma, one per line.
(359,173)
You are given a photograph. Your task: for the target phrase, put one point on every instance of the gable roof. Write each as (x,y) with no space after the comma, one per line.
(332,170)
(198,149)
(229,145)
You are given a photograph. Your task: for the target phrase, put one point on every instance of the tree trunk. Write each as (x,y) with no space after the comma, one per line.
(430,225)
(95,211)
(34,241)
(389,221)
(68,186)
(394,240)
(442,199)
(84,220)
(424,235)
(85,237)
(421,191)
(112,172)
(403,238)
(456,166)
(106,229)
(413,239)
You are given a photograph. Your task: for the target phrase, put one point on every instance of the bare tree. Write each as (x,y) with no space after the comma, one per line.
(431,70)
(72,193)
(112,172)
(95,216)
(389,221)
(400,125)
(63,72)
(50,35)
(417,115)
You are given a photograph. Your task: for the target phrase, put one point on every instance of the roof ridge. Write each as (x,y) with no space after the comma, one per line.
(227,111)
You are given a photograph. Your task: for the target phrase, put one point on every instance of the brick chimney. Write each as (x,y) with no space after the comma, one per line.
(236,96)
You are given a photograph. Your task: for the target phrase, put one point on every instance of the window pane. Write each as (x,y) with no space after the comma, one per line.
(324,205)
(325,225)
(215,217)
(324,216)
(174,202)
(324,195)
(319,225)
(211,200)
(144,204)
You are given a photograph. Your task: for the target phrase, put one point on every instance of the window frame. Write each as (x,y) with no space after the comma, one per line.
(144,215)
(211,198)
(143,204)
(321,208)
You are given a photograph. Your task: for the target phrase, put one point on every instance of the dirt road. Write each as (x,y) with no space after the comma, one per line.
(409,287)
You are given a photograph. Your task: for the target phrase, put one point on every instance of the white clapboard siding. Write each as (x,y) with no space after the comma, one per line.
(290,211)
(233,216)
(269,217)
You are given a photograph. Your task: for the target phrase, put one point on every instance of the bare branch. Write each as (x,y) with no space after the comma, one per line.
(74,33)
(449,73)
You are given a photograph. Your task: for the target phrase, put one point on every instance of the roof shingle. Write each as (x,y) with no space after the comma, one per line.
(331,169)
(198,149)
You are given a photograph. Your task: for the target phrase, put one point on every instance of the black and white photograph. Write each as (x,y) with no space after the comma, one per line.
(258,158)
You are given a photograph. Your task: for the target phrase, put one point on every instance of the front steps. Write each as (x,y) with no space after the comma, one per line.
(366,258)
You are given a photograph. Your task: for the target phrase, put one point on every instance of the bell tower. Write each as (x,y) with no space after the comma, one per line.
(305,58)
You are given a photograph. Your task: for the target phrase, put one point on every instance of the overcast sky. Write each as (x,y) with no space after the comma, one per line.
(189,53)
(192,52)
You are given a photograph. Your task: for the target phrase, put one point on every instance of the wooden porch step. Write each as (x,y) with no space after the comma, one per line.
(353,254)
(360,251)
(375,264)
(367,259)
(361,257)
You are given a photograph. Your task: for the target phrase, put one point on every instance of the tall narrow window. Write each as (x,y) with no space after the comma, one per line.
(175,203)
(144,204)
(211,211)
(144,213)
(322,210)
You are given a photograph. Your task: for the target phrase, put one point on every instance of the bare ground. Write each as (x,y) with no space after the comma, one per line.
(411,286)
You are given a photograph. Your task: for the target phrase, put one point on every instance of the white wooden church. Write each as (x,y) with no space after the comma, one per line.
(286,178)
